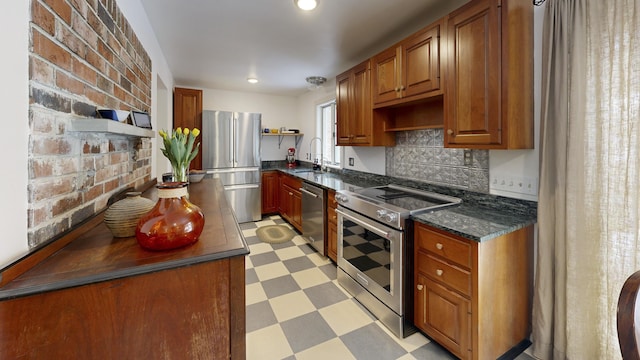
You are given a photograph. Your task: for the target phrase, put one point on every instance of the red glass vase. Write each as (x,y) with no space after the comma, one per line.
(173,222)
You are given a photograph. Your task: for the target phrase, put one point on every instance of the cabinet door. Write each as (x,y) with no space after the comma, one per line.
(360,127)
(343,108)
(296,209)
(386,75)
(187,113)
(270,192)
(444,315)
(332,226)
(473,101)
(421,62)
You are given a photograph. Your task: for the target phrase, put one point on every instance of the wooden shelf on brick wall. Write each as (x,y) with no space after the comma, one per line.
(111,127)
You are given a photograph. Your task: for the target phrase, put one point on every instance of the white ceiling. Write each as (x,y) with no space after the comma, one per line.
(218,44)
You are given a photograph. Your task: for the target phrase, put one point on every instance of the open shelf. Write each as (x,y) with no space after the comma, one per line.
(297,136)
(111,127)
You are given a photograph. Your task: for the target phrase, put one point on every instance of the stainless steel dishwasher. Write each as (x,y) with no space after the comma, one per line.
(313,210)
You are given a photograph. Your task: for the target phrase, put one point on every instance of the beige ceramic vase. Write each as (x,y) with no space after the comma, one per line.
(122,217)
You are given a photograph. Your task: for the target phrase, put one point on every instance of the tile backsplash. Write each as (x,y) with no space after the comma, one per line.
(421,155)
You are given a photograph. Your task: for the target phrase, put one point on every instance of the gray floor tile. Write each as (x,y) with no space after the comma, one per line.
(250,276)
(372,343)
(432,351)
(298,264)
(283,245)
(247,225)
(330,270)
(252,240)
(325,295)
(306,331)
(260,315)
(264,258)
(279,286)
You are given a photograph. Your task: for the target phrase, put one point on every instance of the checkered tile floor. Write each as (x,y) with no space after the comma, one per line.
(297,310)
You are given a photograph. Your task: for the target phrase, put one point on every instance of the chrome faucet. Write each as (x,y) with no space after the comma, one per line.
(315,162)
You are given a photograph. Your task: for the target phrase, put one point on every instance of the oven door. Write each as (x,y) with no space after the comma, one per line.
(371,253)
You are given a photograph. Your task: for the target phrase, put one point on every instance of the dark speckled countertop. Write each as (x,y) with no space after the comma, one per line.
(479,217)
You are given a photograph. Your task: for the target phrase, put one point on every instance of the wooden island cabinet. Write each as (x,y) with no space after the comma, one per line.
(270,191)
(290,200)
(88,295)
(474,298)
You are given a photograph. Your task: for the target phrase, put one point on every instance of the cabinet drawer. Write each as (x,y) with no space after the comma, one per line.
(453,277)
(457,251)
(292,182)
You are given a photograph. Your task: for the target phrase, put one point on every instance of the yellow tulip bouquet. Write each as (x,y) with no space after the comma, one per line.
(179,149)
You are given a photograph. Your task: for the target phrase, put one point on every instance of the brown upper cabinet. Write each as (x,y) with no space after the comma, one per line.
(489,72)
(187,113)
(409,70)
(354,112)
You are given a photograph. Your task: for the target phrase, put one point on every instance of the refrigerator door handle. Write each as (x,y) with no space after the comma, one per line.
(240,187)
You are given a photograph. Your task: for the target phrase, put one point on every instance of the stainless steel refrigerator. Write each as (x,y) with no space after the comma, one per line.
(231,152)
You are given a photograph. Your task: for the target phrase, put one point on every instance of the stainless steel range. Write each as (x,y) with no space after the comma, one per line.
(373,255)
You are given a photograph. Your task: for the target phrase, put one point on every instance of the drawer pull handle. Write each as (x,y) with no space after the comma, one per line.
(420,287)
(439,246)
(439,272)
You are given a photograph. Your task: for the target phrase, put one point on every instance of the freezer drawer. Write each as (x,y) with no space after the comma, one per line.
(245,201)
(237,176)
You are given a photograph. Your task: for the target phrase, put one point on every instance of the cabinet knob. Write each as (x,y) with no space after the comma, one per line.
(420,287)
(290,194)
(450,132)
(401,87)
(439,272)
(439,246)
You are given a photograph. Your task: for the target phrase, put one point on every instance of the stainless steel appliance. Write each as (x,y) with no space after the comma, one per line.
(231,152)
(375,251)
(313,209)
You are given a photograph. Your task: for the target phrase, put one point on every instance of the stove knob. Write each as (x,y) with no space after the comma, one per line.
(341,198)
(380,213)
(391,217)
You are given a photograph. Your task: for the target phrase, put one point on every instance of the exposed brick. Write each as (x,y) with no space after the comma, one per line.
(84,109)
(94,59)
(103,174)
(104,84)
(80,26)
(66,165)
(111,185)
(106,19)
(37,216)
(48,189)
(42,17)
(66,204)
(93,193)
(45,233)
(40,71)
(125,83)
(83,71)
(39,168)
(72,42)
(51,51)
(62,8)
(105,51)
(120,94)
(50,100)
(69,84)
(41,122)
(82,214)
(50,146)
(91,148)
(80,6)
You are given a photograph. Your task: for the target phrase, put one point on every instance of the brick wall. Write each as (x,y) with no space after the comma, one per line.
(83,54)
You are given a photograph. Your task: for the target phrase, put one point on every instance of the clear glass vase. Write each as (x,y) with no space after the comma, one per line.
(181,174)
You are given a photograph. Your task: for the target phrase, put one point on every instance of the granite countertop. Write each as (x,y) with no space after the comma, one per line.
(480,217)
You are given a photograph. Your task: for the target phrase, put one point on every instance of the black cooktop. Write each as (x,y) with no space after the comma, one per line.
(402,198)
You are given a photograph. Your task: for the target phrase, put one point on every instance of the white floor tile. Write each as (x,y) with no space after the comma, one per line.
(291,305)
(289,253)
(332,349)
(345,317)
(260,248)
(310,277)
(271,271)
(254,293)
(268,343)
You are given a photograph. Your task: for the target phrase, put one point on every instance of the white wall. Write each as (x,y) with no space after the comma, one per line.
(277,111)
(14,102)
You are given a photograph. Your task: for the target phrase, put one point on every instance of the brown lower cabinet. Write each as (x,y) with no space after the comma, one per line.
(290,200)
(332,226)
(474,298)
(270,192)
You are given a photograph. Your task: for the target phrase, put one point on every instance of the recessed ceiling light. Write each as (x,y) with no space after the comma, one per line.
(252,80)
(306,4)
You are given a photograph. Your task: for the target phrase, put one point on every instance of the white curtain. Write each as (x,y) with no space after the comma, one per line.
(589,199)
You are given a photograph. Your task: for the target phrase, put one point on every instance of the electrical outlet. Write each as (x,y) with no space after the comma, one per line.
(468,157)
(351,161)
(514,184)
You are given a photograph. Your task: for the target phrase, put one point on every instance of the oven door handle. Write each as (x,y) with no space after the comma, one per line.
(384,234)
